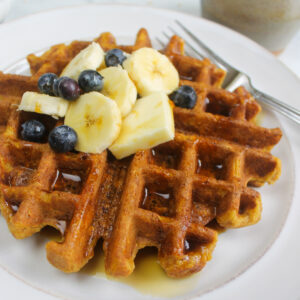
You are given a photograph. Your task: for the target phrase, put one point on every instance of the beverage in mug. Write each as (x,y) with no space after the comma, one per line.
(271,23)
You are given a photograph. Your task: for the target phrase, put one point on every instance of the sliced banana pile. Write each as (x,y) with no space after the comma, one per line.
(149,124)
(151,72)
(96,120)
(111,117)
(119,87)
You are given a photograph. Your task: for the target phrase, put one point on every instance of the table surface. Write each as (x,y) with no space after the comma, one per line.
(20,8)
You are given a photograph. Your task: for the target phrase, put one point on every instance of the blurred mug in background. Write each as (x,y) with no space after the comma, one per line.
(271,23)
(4,8)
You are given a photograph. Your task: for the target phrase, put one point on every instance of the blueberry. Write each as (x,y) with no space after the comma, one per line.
(56,82)
(90,80)
(45,83)
(185,97)
(62,139)
(68,89)
(33,131)
(114,57)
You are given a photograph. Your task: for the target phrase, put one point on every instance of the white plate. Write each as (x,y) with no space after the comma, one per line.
(236,250)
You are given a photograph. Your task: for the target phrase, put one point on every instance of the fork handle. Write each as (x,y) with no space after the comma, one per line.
(279,106)
(267,100)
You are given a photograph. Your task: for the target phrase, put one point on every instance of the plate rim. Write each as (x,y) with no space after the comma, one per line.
(145,6)
(279,123)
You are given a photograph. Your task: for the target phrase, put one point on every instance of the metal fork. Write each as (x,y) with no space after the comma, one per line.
(234,77)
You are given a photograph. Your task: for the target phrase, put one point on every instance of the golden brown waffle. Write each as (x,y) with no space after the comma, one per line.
(169,197)
(58,56)
(12,88)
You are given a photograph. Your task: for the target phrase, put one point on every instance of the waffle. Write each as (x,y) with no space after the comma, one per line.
(171,197)
(58,56)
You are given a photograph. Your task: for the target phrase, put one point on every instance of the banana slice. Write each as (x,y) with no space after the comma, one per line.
(90,58)
(151,71)
(119,87)
(44,104)
(96,120)
(149,124)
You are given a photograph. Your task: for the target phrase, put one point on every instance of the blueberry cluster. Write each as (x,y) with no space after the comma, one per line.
(61,138)
(64,138)
(68,88)
(88,80)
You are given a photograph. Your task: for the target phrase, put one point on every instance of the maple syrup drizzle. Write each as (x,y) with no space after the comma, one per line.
(148,194)
(166,196)
(49,233)
(148,276)
(169,160)
(216,107)
(14,207)
(67,182)
(159,201)
(211,170)
(61,226)
(20,176)
(199,164)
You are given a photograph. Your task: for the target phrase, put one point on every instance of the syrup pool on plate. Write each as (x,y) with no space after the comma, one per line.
(148,276)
